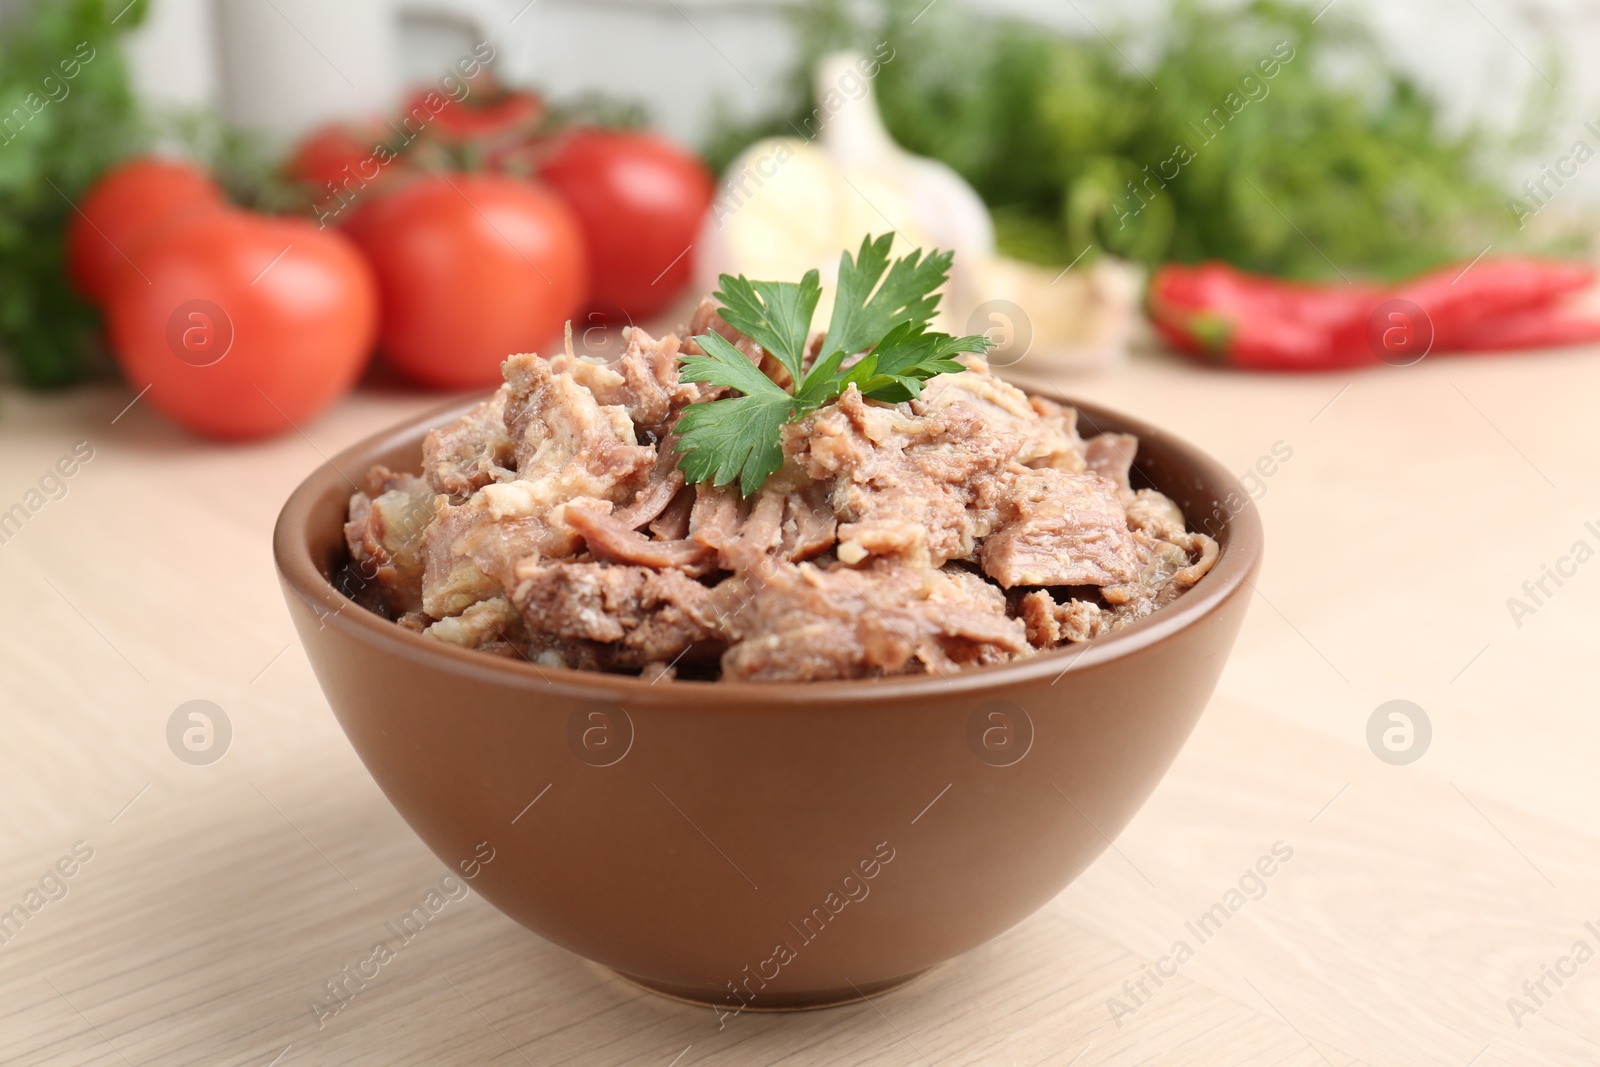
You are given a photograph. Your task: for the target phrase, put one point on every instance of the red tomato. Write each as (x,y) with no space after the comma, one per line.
(344,169)
(323,155)
(244,326)
(640,201)
(489,113)
(471,268)
(121,208)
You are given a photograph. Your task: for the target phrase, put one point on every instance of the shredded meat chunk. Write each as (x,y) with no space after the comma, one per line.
(492,625)
(1110,455)
(451,578)
(563,435)
(1166,569)
(1150,511)
(1049,624)
(946,471)
(809,525)
(613,540)
(673,522)
(666,481)
(607,617)
(799,622)
(567,445)
(1169,560)
(385,535)
(884,537)
(1063,424)
(1045,442)
(756,537)
(468,454)
(644,382)
(971,526)
(789,519)
(1061,528)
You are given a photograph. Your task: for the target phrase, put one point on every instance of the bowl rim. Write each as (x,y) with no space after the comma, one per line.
(1240,554)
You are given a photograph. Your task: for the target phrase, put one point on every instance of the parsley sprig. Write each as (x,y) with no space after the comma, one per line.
(739,437)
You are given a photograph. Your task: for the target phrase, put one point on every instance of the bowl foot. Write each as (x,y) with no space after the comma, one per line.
(803,1000)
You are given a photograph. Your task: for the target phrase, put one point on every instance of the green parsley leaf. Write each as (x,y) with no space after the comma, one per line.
(906,357)
(740,437)
(909,294)
(821,385)
(734,437)
(775,315)
(723,364)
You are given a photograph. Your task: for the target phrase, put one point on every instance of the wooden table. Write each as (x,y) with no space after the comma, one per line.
(1419,898)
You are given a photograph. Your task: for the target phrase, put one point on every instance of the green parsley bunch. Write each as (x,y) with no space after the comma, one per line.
(740,437)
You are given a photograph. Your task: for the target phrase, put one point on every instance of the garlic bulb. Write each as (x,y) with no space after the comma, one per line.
(789,205)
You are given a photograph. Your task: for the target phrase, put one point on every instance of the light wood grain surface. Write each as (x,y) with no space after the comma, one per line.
(1419,898)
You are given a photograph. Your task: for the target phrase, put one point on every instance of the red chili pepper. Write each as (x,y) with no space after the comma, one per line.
(1227,316)
(1219,288)
(1248,321)
(1250,341)
(1541,328)
(1457,298)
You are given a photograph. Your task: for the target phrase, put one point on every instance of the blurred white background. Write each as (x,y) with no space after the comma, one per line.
(1479,56)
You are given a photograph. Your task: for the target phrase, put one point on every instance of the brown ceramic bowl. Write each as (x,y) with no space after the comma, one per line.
(776,846)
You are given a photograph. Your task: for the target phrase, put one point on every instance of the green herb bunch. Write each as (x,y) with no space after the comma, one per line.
(56,137)
(1336,164)
(740,437)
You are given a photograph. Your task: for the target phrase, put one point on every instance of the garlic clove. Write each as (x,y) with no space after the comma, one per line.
(942,204)
(775,216)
